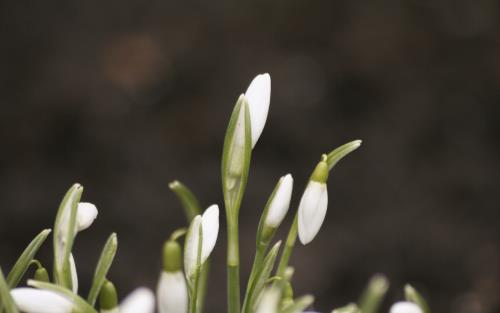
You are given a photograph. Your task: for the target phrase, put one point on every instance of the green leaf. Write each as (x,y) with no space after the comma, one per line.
(337,154)
(80,304)
(350,308)
(188,200)
(64,235)
(299,305)
(257,285)
(374,294)
(411,294)
(102,268)
(236,157)
(6,301)
(23,262)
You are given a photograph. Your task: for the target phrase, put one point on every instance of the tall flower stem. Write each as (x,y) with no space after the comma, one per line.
(233,266)
(287,250)
(260,253)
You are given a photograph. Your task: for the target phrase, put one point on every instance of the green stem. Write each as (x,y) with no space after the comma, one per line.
(287,251)
(193,300)
(233,266)
(256,267)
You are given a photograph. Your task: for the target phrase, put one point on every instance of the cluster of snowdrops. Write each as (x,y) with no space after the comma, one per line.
(183,279)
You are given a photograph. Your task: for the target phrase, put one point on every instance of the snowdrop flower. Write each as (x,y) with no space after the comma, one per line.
(140,300)
(31,300)
(209,225)
(280,202)
(405,307)
(313,204)
(85,215)
(258,96)
(172,291)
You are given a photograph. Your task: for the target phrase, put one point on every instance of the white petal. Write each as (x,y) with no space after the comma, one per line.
(405,307)
(31,300)
(210,229)
(269,301)
(312,211)
(140,300)
(172,293)
(258,96)
(280,202)
(85,215)
(191,247)
(74,275)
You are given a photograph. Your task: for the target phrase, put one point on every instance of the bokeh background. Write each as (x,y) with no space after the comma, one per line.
(125,96)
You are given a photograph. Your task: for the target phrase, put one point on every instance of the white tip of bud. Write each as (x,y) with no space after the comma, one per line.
(85,215)
(210,229)
(312,211)
(281,202)
(258,96)
(172,293)
(31,300)
(405,307)
(140,300)
(74,275)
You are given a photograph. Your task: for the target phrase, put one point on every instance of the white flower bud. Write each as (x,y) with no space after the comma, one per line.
(258,96)
(312,210)
(172,293)
(85,215)
(31,300)
(140,300)
(405,307)
(280,203)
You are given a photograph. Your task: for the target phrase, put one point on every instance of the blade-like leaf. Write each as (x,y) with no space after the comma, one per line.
(188,200)
(23,262)
(411,294)
(6,301)
(64,235)
(374,294)
(80,304)
(337,154)
(299,304)
(102,268)
(257,286)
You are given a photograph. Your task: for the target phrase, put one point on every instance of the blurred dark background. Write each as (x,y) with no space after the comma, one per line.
(125,96)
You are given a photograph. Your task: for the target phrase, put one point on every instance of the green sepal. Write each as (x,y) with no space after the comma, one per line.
(80,304)
(108,298)
(63,238)
(23,262)
(412,295)
(256,286)
(374,294)
(350,308)
(188,200)
(337,154)
(103,265)
(172,256)
(299,304)
(236,157)
(6,301)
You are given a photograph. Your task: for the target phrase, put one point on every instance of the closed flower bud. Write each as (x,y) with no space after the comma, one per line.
(85,215)
(313,204)
(258,96)
(172,293)
(280,202)
(140,300)
(31,300)
(405,307)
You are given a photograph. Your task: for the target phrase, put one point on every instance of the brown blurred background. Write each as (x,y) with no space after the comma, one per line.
(125,96)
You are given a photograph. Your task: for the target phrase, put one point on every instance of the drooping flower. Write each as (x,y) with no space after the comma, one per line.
(258,96)
(313,204)
(31,300)
(280,202)
(209,224)
(405,307)
(172,290)
(85,215)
